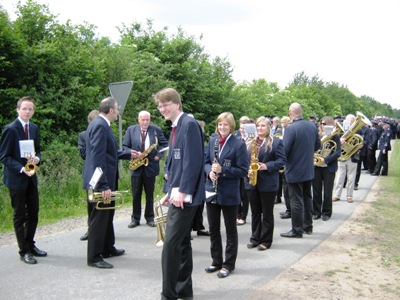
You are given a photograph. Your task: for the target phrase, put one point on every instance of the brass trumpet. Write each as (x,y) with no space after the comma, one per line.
(97,197)
(160,220)
(30,167)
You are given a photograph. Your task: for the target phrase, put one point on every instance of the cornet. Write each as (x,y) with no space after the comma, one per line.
(97,197)
(30,167)
(160,220)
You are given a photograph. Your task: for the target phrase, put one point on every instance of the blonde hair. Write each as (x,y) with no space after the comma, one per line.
(268,138)
(228,117)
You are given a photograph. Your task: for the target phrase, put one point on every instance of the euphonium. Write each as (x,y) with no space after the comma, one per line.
(328,146)
(353,140)
(138,162)
(160,220)
(254,166)
(97,197)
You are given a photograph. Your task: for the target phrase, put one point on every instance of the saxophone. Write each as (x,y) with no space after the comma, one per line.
(138,162)
(254,166)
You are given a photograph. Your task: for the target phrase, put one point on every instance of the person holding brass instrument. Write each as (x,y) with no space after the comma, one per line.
(301,141)
(185,192)
(225,163)
(325,167)
(271,158)
(144,139)
(102,152)
(20,177)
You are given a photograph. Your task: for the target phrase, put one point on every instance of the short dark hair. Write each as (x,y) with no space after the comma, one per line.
(106,104)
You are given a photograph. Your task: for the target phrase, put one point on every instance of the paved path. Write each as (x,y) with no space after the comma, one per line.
(63,274)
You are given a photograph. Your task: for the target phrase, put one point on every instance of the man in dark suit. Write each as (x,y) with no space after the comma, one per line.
(301,141)
(139,138)
(101,152)
(384,148)
(22,183)
(185,192)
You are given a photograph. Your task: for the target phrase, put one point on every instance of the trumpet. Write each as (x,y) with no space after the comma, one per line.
(97,197)
(30,167)
(160,220)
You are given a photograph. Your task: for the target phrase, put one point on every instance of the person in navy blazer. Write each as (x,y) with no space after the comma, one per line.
(139,138)
(102,152)
(225,163)
(185,192)
(324,177)
(23,185)
(301,140)
(271,158)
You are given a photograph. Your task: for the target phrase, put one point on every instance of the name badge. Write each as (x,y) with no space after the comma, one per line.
(227,163)
(177,153)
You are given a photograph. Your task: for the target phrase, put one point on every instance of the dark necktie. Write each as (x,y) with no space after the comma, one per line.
(173,135)
(143,139)
(26,131)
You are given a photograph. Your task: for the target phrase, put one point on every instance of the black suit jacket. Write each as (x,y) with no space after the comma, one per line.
(10,154)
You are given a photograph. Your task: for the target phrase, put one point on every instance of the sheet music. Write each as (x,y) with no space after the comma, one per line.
(163,149)
(250,130)
(175,191)
(27,148)
(95,178)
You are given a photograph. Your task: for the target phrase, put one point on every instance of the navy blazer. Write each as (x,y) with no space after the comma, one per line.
(186,160)
(82,144)
(332,159)
(102,151)
(301,140)
(10,154)
(235,165)
(132,141)
(275,159)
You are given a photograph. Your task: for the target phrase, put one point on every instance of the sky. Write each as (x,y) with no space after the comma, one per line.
(351,42)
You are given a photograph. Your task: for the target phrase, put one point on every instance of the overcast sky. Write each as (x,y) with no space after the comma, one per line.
(352,42)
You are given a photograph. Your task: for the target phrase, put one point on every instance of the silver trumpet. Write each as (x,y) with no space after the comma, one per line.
(97,197)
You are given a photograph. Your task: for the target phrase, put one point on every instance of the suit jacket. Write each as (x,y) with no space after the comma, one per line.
(275,159)
(186,160)
(235,165)
(101,151)
(82,144)
(384,140)
(301,140)
(132,141)
(10,154)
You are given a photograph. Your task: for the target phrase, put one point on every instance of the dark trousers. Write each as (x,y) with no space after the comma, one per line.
(279,192)
(301,206)
(176,259)
(322,191)
(101,233)
(214,220)
(243,208)
(138,182)
(358,171)
(285,189)
(371,158)
(382,163)
(262,217)
(25,204)
(198,218)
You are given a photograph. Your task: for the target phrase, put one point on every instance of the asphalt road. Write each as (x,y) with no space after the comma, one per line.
(63,274)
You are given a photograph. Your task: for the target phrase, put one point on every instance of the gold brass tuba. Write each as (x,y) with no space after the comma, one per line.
(160,220)
(254,166)
(97,197)
(138,162)
(353,140)
(328,146)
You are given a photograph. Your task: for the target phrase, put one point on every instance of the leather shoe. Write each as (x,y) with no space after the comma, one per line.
(251,246)
(85,236)
(355,188)
(262,247)
(291,234)
(37,252)
(284,212)
(212,269)
(325,218)
(101,265)
(28,259)
(116,252)
(133,224)
(224,273)
(308,230)
(151,223)
(316,217)
(203,232)
(286,216)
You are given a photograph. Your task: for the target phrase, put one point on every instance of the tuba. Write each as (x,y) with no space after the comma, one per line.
(254,166)
(160,220)
(138,162)
(328,146)
(353,140)
(97,197)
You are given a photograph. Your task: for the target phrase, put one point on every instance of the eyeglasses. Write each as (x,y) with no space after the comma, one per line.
(323,124)
(160,107)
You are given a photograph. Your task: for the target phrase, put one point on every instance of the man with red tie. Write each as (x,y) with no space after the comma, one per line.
(22,183)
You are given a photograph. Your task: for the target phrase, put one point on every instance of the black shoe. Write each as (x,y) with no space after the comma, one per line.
(203,232)
(355,188)
(286,216)
(37,252)
(325,218)
(101,265)
(316,217)
(212,269)
(224,273)
(151,223)
(85,236)
(116,252)
(291,234)
(251,246)
(283,212)
(262,247)
(28,259)
(308,230)
(133,224)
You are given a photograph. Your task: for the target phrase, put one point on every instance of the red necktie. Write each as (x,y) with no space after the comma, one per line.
(173,135)
(26,131)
